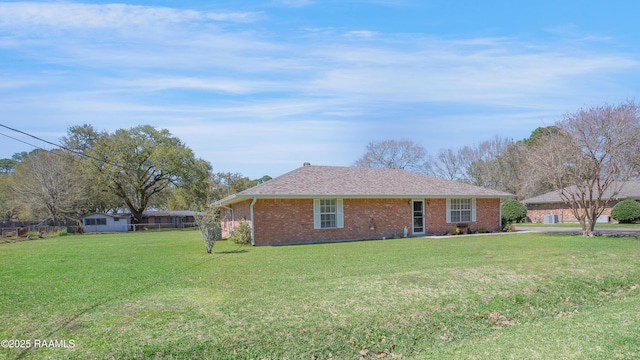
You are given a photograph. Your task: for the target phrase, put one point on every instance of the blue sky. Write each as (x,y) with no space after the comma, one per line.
(259,87)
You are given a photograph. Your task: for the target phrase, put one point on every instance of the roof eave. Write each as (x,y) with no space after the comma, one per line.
(243,197)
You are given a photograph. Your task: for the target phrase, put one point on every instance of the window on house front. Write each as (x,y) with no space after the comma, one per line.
(327,214)
(461,210)
(158,220)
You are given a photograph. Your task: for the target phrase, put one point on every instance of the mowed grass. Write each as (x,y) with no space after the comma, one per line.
(159,295)
(577,225)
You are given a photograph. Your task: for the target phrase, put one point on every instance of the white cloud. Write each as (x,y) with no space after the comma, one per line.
(366,34)
(237,92)
(108,16)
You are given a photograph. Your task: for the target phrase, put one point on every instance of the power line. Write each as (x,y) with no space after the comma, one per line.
(22,141)
(59,146)
(35,146)
(40,139)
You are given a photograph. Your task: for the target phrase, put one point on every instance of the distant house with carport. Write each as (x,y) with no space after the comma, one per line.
(169,218)
(328,203)
(152,219)
(551,204)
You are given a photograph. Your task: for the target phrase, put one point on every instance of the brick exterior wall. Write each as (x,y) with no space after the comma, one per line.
(290,221)
(242,211)
(487,216)
(536,212)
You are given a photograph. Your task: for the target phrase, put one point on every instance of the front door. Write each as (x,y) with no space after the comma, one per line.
(418,217)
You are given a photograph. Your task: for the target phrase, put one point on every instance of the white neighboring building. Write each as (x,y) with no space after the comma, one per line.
(100,222)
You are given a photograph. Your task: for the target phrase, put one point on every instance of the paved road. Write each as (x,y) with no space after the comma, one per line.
(578,230)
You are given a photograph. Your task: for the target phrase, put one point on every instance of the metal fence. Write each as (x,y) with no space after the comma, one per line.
(15,230)
(29,231)
(160,226)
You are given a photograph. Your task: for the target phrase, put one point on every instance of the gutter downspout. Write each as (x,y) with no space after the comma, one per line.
(253,234)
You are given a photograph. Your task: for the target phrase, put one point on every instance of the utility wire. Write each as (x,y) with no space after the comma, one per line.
(22,141)
(40,139)
(59,146)
(35,146)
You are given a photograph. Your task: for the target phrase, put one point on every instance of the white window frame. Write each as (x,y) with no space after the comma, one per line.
(450,210)
(317,214)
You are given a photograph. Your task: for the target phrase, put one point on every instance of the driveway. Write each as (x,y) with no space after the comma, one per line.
(578,230)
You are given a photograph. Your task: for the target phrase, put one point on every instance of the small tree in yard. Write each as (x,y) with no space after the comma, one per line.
(512,211)
(241,235)
(626,211)
(209,225)
(593,153)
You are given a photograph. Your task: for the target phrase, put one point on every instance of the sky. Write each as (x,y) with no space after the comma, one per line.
(260,87)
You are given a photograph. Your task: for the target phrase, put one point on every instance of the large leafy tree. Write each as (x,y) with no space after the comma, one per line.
(194,193)
(139,164)
(81,138)
(79,141)
(227,183)
(587,161)
(7,166)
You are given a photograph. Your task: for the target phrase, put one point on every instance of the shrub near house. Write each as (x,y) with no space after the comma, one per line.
(626,211)
(512,211)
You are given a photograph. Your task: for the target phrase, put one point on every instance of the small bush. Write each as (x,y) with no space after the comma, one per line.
(513,211)
(626,211)
(209,225)
(241,235)
(63,233)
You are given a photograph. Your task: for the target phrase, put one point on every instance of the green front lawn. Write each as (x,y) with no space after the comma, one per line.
(159,295)
(577,225)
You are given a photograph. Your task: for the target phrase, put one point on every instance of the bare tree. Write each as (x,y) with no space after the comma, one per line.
(448,165)
(392,154)
(485,164)
(523,184)
(46,182)
(588,161)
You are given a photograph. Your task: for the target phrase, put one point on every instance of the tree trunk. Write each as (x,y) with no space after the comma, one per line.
(587,227)
(136,216)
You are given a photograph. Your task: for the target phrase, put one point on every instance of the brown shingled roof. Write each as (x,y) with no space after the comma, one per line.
(628,190)
(320,181)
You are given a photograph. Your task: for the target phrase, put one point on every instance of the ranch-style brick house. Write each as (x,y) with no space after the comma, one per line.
(552,204)
(315,204)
